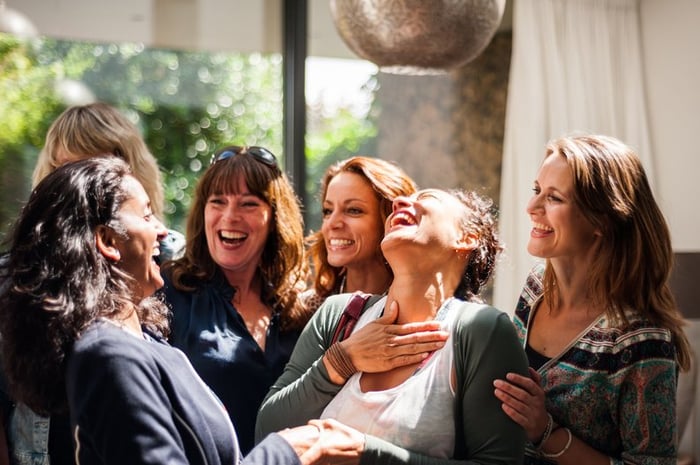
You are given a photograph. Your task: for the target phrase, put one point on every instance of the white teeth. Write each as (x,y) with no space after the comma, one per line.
(340,242)
(230,235)
(403,218)
(542,227)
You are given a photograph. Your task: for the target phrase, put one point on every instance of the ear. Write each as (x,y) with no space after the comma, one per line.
(466,244)
(106,242)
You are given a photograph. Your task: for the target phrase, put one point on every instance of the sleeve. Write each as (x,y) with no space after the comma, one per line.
(273,450)
(120,412)
(304,388)
(487,348)
(647,403)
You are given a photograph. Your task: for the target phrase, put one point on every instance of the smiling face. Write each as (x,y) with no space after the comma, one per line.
(237,227)
(137,251)
(429,221)
(559,228)
(352,223)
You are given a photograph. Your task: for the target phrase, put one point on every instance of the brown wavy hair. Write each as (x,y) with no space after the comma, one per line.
(632,267)
(283,264)
(388,182)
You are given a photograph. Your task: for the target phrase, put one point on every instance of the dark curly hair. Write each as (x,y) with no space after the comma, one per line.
(480,220)
(55,282)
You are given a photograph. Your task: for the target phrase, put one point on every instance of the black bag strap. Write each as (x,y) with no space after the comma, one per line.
(352,312)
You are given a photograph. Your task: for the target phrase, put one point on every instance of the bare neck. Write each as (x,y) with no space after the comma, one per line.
(373,280)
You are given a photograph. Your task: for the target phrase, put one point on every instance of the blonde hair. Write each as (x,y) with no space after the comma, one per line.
(97,129)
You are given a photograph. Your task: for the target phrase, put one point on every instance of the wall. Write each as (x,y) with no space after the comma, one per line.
(670,37)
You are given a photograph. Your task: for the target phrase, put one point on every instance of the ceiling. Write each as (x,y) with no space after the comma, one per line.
(212,25)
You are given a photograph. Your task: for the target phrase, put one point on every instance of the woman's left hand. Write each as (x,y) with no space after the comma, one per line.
(523,401)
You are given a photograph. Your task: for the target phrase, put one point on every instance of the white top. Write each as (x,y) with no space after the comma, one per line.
(418,414)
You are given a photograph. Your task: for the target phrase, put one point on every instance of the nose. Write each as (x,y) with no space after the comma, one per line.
(533,204)
(161,230)
(400,202)
(231,212)
(334,219)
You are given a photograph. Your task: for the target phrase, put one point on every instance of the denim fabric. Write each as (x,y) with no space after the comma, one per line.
(172,246)
(29,437)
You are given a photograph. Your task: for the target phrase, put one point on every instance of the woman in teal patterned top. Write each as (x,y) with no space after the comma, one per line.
(603,334)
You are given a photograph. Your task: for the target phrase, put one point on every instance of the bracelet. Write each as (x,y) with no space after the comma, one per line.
(566,447)
(547,432)
(340,361)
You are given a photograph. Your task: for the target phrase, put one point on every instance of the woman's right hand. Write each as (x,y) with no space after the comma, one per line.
(524,401)
(337,444)
(382,345)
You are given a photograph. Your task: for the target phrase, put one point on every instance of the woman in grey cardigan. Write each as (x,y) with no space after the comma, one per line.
(441,247)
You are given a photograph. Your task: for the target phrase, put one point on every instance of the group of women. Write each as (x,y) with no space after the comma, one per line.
(585,372)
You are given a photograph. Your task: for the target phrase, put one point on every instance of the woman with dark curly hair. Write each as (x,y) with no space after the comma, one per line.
(442,248)
(234,294)
(83,334)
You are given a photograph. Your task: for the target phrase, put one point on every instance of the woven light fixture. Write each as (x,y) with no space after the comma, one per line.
(417,36)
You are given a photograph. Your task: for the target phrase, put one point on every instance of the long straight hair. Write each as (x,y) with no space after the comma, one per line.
(631,270)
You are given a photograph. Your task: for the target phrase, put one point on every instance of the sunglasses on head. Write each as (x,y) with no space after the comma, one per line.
(261,154)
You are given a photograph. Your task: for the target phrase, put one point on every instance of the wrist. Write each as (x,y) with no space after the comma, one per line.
(562,445)
(338,363)
(549,427)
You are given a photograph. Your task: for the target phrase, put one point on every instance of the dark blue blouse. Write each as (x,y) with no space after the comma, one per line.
(213,335)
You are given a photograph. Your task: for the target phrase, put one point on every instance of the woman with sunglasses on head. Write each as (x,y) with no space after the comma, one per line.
(83,334)
(234,295)
(440,409)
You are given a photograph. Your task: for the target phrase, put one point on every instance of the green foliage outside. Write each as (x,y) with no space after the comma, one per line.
(187,104)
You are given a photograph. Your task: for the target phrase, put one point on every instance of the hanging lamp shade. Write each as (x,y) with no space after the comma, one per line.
(417,36)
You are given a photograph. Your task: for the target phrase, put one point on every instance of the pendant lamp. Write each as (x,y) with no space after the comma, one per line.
(417,36)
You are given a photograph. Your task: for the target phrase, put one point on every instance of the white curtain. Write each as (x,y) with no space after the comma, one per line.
(576,66)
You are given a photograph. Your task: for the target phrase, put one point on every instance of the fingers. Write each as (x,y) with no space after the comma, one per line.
(518,387)
(410,328)
(524,382)
(522,400)
(534,374)
(390,315)
(419,337)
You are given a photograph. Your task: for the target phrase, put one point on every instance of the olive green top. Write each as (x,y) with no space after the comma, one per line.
(486,347)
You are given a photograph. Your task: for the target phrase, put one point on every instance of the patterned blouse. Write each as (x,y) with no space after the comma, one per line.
(613,387)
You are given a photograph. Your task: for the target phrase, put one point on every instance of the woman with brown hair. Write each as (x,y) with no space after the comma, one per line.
(235,293)
(598,321)
(356,196)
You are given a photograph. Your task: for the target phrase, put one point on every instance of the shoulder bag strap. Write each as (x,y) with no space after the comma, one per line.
(350,315)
